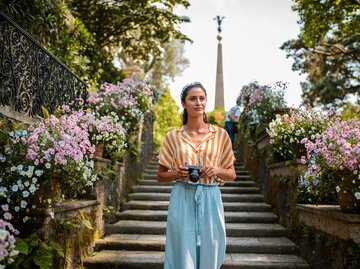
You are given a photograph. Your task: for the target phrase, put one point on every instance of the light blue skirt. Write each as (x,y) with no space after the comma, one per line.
(195,233)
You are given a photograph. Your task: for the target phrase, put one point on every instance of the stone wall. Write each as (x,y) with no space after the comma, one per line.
(320,245)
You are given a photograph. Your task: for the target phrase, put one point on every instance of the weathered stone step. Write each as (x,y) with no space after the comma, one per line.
(152,170)
(167,189)
(163,205)
(154,177)
(230,217)
(232,229)
(115,259)
(150,242)
(239,183)
(225,197)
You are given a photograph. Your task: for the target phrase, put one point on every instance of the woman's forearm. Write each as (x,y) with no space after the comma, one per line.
(167,176)
(227,174)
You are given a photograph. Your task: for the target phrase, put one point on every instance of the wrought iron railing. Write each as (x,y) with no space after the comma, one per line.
(32,77)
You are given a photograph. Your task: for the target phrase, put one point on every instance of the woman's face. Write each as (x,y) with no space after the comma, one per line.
(195,102)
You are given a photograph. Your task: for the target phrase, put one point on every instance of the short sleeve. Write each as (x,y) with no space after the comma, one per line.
(227,156)
(166,155)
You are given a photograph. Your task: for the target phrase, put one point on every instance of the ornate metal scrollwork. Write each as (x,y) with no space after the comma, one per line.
(31,77)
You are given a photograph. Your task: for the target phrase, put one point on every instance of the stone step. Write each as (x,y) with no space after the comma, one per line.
(152,170)
(232,229)
(225,197)
(163,205)
(238,183)
(230,217)
(150,242)
(167,189)
(116,259)
(154,177)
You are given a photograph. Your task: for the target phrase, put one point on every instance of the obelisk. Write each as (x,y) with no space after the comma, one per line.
(219,85)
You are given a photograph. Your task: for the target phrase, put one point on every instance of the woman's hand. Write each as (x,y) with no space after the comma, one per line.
(182,172)
(212,171)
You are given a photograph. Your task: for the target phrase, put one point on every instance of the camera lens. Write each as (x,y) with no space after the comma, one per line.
(194,175)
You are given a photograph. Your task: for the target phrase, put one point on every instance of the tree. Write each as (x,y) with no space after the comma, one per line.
(87,35)
(327,49)
(167,117)
(164,68)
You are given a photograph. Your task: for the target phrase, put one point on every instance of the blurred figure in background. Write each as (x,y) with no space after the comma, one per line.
(231,120)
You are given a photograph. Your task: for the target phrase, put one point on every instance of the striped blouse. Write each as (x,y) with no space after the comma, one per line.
(214,150)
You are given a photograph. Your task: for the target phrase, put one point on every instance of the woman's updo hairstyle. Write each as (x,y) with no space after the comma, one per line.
(185,90)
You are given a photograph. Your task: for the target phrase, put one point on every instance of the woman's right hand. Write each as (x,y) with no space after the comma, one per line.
(182,172)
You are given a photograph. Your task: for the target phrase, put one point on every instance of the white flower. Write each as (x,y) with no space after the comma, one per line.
(20,167)
(4,234)
(52,214)
(12,168)
(337,188)
(13,253)
(27,183)
(15,188)
(17,209)
(32,188)
(357,195)
(25,219)
(48,165)
(61,143)
(34,180)
(25,194)
(23,204)
(39,172)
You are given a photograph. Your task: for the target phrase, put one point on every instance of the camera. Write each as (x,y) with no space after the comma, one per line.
(194,172)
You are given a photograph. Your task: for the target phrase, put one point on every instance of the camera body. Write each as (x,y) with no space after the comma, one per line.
(194,172)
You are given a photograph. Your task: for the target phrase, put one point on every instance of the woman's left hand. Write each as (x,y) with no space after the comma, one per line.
(212,171)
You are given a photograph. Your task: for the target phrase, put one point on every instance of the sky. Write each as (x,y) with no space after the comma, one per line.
(252,32)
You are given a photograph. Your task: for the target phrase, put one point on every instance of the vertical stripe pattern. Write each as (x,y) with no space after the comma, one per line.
(214,150)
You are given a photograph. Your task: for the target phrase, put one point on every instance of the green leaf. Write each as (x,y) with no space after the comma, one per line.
(87,223)
(57,247)
(21,246)
(43,259)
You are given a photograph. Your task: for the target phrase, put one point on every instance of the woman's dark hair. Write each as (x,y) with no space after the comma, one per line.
(184,114)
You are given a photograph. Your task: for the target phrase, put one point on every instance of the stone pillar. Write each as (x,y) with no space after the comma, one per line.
(219,86)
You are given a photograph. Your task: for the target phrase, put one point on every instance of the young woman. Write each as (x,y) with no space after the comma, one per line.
(195,234)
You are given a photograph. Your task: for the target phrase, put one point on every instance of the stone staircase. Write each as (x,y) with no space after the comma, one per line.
(137,240)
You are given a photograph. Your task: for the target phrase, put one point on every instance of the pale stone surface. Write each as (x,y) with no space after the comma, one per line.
(331,220)
(290,169)
(219,85)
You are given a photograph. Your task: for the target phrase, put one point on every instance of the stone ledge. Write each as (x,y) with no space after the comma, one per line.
(291,168)
(330,219)
(263,142)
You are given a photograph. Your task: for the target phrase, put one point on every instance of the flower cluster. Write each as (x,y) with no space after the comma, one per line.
(335,155)
(259,101)
(52,146)
(108,130)
(286,131)
(130,100)
(7,239)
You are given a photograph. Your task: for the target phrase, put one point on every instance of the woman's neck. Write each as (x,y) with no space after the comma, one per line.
(195,124)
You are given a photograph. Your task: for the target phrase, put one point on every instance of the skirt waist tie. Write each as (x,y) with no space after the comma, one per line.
(199,212)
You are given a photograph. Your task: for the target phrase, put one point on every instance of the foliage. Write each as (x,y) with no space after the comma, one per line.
(327,49)
(108,131)
(8,251)
(135,30)
(167,117)
(350,111)
(217,116)
(35,253)
(165,67)
(334,156)
(259,103)
(130,100)
(286,131)
(53,146)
